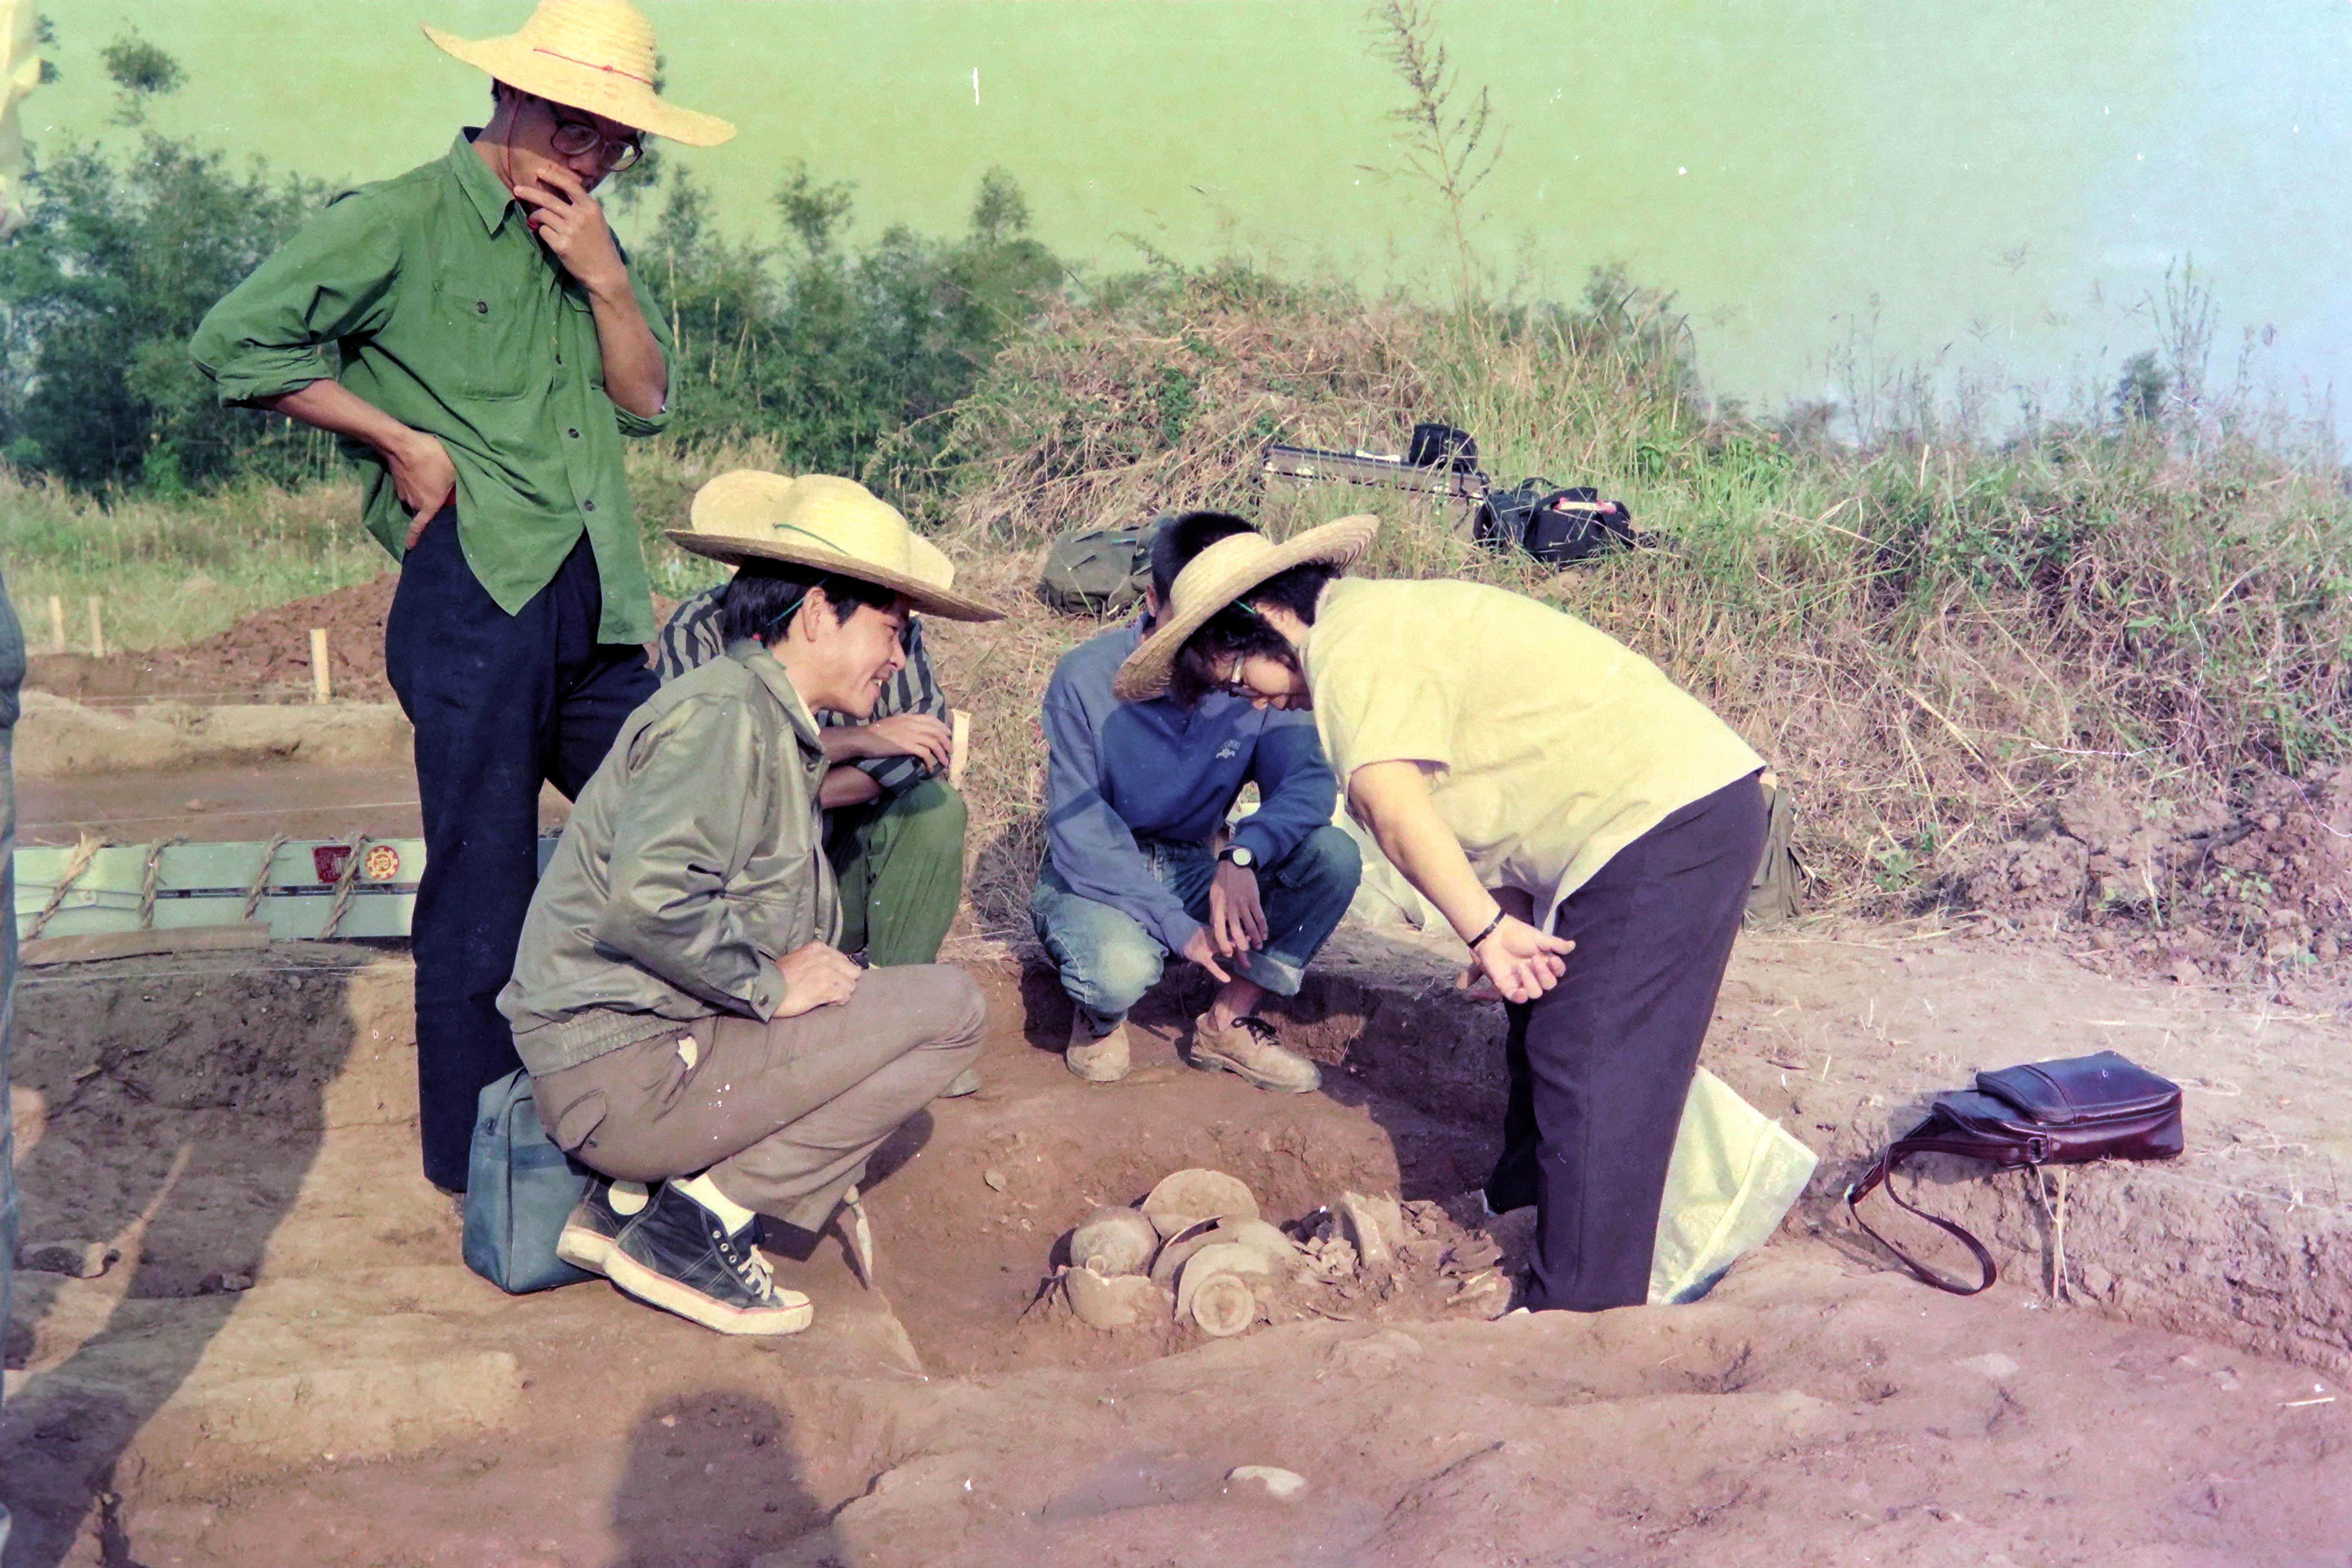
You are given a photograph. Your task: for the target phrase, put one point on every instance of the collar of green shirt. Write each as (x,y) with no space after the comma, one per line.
(485,190)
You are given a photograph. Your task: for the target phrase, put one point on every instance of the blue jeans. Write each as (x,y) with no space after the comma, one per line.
(1108,960)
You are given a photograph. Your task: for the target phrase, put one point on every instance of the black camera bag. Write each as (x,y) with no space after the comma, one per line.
(1557,527)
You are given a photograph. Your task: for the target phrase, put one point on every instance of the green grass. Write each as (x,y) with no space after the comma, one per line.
(167,573)
(1933,638)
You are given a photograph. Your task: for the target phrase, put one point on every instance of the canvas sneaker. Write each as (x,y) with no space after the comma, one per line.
(963,1083)
(681,1257)
(596,1219)
(1249,1049)
(1103,1060)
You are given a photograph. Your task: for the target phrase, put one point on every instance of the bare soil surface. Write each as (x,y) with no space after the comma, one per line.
(265,657)
(287,1363)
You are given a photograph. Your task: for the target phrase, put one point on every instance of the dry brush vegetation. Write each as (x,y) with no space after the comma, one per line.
(1935,640)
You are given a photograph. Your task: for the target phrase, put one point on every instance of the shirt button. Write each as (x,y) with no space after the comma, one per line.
(481,307)
(574,434)
(587,506)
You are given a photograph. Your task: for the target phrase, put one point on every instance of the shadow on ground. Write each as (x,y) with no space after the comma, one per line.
(176,1108)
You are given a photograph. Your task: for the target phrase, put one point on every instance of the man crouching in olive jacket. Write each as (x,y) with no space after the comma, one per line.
(687,1024)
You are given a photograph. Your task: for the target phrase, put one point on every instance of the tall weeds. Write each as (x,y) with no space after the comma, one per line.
(1932,639)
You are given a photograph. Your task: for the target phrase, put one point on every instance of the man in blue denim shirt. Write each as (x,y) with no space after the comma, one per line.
(1136,794)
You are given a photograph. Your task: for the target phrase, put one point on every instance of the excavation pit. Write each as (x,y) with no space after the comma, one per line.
(286,1363)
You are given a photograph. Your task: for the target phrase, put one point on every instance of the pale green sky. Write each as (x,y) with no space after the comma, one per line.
(2000,178)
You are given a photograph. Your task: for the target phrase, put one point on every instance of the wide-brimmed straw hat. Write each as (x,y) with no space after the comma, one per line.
(1220,574)
(596,55)
(828,524)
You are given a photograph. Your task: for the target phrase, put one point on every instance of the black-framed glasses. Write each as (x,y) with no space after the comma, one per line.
(1232,684)
(573,137)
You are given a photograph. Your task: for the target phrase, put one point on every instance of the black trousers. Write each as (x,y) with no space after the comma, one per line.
(1599,1065)
(500,703)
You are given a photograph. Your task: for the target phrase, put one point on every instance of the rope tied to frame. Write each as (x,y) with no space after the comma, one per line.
(344,883)
(85,850)
(261,876)
(150,876)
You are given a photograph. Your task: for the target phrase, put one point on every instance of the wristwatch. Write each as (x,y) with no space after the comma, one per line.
(1239,854)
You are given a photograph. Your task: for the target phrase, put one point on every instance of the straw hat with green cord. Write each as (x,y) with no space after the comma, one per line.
(1222,573)
(596,55)
(827,524)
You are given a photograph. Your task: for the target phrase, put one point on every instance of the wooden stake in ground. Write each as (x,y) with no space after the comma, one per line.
(97,632)
(56,624)
(321,683)
(958,745)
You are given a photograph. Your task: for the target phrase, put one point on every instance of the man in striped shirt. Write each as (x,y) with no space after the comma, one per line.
(894,830)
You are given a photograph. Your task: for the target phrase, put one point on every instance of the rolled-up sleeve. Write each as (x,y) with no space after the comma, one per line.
(673,841)
(638,424)
(276,332)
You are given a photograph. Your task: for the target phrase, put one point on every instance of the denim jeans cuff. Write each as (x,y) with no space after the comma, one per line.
(1278,975)
(1099,1024)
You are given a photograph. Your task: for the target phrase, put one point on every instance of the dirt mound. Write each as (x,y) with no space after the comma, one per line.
(2218,889)
(264,657)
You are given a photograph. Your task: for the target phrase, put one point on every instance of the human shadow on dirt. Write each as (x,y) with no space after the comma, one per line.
(181,1104)
(712,1478)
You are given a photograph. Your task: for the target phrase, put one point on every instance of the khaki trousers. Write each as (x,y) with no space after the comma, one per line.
(782,1115)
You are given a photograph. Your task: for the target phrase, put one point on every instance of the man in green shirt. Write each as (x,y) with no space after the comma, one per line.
(473,332)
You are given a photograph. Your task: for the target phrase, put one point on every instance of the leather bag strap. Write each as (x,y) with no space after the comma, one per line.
(1879,1174)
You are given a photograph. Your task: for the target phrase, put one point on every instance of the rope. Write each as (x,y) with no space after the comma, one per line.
(149,878)
(343,886)
(78,862)
(261,876)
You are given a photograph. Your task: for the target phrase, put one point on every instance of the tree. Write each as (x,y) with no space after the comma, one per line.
(140,71)
(98,294)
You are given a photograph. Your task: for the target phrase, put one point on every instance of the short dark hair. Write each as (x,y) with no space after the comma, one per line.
(1180,536)
(1235,629)
(1231,631)
(1239,630)
(761,602)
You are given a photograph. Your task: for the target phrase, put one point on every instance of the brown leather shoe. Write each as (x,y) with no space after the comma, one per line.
(1249,1049)
(1096,1060)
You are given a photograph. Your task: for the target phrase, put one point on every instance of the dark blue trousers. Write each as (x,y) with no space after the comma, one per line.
(1601,1064)
(500,703)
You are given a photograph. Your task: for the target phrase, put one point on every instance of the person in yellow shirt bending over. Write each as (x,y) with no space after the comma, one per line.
(1588,828)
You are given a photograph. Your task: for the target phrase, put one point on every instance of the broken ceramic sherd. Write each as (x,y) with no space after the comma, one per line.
(1189,1196)
(1114,1241)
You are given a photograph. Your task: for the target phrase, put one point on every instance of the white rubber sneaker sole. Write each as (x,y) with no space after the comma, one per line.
(584,1248)
(792,1312)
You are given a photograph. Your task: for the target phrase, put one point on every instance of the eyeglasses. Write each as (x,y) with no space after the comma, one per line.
(1232,683)
(573,137)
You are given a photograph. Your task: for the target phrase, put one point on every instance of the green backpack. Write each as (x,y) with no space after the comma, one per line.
(1102,572)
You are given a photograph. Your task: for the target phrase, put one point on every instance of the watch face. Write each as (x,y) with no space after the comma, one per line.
(1240,856)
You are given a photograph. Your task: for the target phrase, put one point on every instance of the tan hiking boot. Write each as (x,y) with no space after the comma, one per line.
(1096,1060)
(1249,1049)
